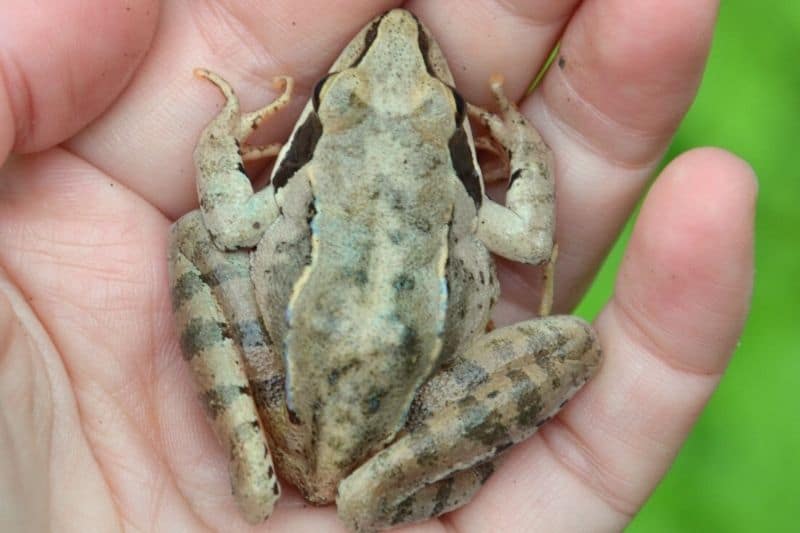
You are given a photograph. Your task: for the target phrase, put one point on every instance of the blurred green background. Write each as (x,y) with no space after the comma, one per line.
(740,469)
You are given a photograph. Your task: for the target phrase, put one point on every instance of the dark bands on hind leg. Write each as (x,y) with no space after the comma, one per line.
(496,394)
(210,339)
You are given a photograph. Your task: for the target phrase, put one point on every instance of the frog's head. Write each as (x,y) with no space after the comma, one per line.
(395,46)
(397,69)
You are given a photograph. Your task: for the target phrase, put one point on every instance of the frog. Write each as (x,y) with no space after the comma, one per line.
(337,320)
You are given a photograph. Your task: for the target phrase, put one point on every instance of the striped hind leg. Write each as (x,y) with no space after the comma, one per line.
(212,335)
(507,384)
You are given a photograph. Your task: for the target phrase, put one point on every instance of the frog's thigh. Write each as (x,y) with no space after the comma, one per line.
(207,332)
(494,395)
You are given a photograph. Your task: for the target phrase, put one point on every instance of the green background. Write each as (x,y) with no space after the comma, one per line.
(740,469)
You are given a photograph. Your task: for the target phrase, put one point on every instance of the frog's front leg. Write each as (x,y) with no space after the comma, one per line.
(523,228)
(498,393)
(234,215)
(223,338)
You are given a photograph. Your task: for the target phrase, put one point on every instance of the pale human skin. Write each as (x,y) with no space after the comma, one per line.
(101,425)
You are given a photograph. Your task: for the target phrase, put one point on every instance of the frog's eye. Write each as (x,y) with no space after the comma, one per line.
(340,100)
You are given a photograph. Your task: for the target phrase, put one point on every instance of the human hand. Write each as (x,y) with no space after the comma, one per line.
(101,426)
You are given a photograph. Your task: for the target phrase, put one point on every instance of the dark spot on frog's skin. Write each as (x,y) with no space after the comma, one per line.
(461,157)
(336,373)
(403,282)
(200,334)
(270,472)
(442,495)
(468,374)
(403,510)
(251,334)
(423,225)
(225,272)
(311,213)
(185,287)
(410,343)
(373,401)
(483,279)
(493,394)
(269,393)
(484,471)
(562,62)
(529,399)
(361,277)
(275,489)
(301,150)
(240,167)
(256,225)
(514,175)
(293,418)
(221,397)
(333,376)
(423,446)
(480,424)
(395,237)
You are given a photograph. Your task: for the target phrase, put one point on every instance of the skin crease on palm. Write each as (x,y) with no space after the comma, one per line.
(99,113)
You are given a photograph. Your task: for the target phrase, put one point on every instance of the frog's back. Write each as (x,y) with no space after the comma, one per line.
(366,315)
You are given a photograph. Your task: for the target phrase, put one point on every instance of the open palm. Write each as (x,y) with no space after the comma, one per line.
(100,424)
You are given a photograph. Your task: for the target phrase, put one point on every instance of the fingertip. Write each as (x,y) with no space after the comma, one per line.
(704,200)
(687,276)
(65,63)
(725,172)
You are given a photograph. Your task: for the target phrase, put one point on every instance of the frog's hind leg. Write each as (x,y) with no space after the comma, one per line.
(219,328)
(496,394)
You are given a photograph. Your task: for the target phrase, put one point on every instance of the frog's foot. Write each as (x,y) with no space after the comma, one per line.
(241,125)
(215,338)
(235,216)
(498,393)
(522,229)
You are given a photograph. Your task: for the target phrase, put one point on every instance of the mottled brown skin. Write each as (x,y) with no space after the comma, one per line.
(335,320)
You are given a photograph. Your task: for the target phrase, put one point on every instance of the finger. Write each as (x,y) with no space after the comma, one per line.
(624,78)
(145,141)
(63,64)
(680,303)
(481,38)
